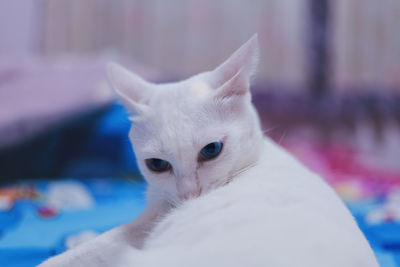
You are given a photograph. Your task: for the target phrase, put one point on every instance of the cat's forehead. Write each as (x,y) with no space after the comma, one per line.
(186,97)
(179,118)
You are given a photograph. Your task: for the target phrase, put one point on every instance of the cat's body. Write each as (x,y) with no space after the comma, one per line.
(299,222)
(250,203)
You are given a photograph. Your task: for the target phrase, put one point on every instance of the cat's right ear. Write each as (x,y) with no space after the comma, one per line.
(232,78)
(132,90)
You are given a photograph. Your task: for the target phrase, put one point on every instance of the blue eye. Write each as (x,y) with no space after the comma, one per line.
(210,151)
(158,165)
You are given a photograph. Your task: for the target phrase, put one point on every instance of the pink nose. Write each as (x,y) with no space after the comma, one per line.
(191,194)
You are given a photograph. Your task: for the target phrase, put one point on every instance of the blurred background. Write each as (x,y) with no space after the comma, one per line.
(328,90)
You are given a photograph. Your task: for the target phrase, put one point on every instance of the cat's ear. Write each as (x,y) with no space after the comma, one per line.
(132,90)
(234,75)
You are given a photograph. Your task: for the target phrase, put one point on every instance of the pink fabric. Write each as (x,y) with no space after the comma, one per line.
(343,165)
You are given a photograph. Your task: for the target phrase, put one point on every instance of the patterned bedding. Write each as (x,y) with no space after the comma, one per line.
(41,218)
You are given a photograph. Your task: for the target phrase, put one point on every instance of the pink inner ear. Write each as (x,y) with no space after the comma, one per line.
(132,90)
(127,84)
(237,85)
(244,60)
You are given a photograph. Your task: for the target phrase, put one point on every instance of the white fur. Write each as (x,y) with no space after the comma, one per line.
(254,205)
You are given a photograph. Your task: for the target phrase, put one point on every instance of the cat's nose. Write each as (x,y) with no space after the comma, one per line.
(188,187)
(191,194)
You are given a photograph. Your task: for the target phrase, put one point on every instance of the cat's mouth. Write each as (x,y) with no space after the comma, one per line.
(191,194)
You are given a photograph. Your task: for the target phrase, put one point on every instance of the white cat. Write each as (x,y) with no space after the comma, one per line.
(219,193)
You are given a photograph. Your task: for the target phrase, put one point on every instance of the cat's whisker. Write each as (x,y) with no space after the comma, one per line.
(224,182)
(282,137)
(268,130)
(173,200)
(159,193)
(241,171)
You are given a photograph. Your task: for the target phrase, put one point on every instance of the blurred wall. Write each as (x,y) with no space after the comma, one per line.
(19,26)
(365,45)
(183,37)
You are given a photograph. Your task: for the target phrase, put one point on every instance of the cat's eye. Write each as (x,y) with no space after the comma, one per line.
(158,165)
(210,151)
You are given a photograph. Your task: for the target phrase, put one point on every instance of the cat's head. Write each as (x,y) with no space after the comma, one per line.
(194,135)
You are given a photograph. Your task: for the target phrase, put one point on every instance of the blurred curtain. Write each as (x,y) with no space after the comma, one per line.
(181,37)
(185,37)
(366,45)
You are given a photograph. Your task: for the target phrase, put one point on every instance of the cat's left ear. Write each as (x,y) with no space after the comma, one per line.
(131,89)
(234,75)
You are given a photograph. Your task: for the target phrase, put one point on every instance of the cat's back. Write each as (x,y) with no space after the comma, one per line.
(276,214)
